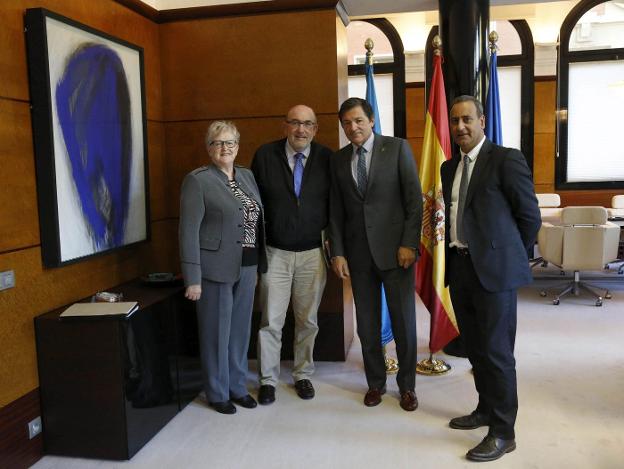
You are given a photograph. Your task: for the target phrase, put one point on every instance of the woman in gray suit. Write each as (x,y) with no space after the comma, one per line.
(221,250)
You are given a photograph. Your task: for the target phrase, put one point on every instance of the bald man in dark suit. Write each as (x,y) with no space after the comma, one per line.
(492,218)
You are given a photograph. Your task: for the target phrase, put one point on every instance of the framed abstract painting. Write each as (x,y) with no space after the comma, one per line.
(90,138)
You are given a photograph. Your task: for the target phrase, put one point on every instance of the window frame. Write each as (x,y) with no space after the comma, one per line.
(564,58)
(396,68)
(525,60)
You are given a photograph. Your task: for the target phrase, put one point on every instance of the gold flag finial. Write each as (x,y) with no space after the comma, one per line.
(369,44)
(493,37)
(437,45)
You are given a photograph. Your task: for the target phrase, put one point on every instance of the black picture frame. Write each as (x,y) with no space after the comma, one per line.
(87,91)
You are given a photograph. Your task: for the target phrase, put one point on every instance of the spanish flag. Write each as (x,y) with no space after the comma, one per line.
(430,267)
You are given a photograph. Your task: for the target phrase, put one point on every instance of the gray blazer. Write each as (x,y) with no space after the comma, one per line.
(211,225)
(389,216)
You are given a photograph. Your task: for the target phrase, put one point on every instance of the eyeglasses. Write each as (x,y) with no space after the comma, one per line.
(223,143)
(294,123)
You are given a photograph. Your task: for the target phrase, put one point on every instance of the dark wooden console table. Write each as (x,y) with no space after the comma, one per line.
(108,385)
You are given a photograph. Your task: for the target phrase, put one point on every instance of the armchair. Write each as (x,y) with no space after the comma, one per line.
(584,240)
(617,207)
(549,205)
(550,213)
(616,214)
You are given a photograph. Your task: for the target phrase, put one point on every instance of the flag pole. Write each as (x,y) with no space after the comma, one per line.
(432,366)
(392,365)
(493,118)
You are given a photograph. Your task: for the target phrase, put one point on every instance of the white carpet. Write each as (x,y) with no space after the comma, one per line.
(571,386)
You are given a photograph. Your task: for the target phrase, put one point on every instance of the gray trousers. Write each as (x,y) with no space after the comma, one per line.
(301,275)
(224,322)
(399,286)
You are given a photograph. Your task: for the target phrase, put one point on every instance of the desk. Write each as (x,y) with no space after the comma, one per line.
(109,385)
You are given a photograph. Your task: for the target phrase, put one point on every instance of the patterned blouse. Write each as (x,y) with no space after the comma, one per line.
(251,214)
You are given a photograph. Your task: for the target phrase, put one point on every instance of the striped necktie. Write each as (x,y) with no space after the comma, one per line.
(362,178)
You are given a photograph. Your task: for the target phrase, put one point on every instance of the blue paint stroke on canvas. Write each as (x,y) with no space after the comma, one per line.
(93,105)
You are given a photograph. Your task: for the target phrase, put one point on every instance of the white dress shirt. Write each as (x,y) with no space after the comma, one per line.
(291,152)
(472,155)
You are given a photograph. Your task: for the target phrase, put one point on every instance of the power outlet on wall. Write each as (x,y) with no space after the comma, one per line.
(34,427)
(7,279)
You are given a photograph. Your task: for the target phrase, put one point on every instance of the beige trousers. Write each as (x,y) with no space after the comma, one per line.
(300,276)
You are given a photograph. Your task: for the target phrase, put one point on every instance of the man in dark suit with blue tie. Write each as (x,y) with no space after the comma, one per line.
(374,233)
(492,218)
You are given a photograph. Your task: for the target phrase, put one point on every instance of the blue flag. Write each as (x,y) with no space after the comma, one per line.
(371,97)
(493,125)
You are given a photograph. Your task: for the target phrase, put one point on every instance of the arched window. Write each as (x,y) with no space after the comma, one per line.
(389,67)
(515,78)
(590,154)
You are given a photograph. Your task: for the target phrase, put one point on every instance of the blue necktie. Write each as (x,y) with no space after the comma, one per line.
(298,172)
(361,170)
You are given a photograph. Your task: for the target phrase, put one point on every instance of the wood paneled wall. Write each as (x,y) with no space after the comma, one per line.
(544,141)
(16,450)
(251,70)
(37,289)
(415,115)
(544,135)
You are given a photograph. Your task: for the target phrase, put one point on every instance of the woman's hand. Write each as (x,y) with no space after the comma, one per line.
(193,292)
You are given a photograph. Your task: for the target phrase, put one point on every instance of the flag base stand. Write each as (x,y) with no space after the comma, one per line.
(392,365)
(432,367)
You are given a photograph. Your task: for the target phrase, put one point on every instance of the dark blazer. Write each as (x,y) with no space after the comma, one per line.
(293,224)
(501,216)
(389,216)
(211,225)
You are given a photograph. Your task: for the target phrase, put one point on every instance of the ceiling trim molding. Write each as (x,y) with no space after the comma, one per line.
(238,9)
(342,13)
(141,8)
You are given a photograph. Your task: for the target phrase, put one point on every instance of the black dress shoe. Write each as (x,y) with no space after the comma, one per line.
(225,407)
(373,396)
(247,401)
(491,448)
(266,394)
(409,401)
(469,422)
(304,389)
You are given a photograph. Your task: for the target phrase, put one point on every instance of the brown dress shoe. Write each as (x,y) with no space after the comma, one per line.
(409,401)
(373,396)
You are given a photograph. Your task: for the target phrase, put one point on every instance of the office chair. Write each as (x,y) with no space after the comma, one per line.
(550,213)
(616,215)
(584,241)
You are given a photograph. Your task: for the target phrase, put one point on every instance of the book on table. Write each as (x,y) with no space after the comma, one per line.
(100,309)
